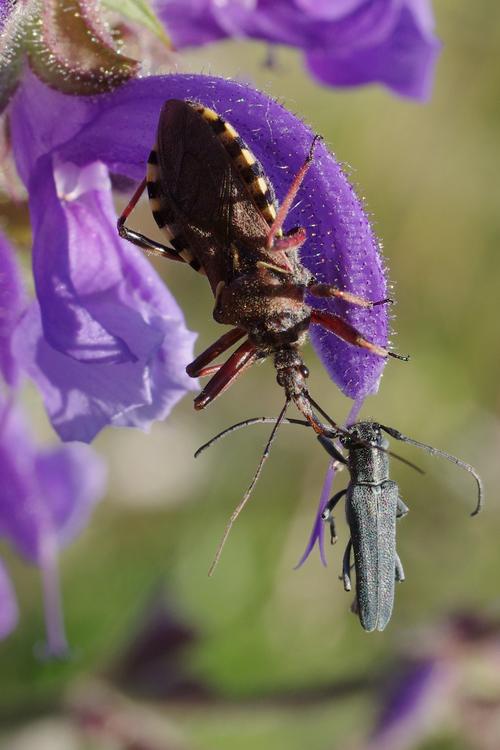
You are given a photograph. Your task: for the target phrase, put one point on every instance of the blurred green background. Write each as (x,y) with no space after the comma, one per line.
(280,659)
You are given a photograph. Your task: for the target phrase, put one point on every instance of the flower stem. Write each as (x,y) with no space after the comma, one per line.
(57,644)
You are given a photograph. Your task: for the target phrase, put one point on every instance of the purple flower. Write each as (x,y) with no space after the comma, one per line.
(345,43)
(106,343)
(46,498)
(117,130)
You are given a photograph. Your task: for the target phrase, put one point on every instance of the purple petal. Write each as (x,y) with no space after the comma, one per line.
(326,9)
(114,346)
(9,612)
(72,479)
(318,529)
(44,494)
(404,60)
(76,264)
(189,24)
(341,247)
(12,304)
(347,43)
(280,22)
(81,399)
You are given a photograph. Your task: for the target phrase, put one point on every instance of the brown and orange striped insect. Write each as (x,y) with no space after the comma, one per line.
(219,214)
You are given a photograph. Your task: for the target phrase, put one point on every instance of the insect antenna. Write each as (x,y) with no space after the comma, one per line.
(403,460)
(448,456)
(247,423)
(338,430)
(236,512)
(303,423)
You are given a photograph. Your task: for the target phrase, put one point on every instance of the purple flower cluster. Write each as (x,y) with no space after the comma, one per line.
(345,42)
(104,341)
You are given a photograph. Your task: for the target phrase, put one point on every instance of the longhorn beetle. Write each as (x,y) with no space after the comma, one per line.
(373,505)
(218,211)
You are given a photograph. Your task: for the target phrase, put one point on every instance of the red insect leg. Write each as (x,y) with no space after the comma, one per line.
(290,197)
(346,331)
(326,290)
(237,363)
(198,367)
(140,239)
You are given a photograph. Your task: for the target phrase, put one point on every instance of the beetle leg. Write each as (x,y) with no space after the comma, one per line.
(238,362)
(198,368)
(402,508)
(399,572)
(332,449)
(346,567)
(328,516)
(327,290)
(347,332)
(290,196)
(146,243)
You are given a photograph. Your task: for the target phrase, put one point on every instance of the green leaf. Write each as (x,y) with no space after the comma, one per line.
(140,12)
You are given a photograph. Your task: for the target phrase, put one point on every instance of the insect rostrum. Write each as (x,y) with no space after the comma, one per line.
(218,212)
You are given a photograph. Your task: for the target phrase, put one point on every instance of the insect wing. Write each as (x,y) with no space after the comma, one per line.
(201,193)
(371,514)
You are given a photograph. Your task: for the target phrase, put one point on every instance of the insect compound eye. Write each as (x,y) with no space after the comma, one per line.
(304,371)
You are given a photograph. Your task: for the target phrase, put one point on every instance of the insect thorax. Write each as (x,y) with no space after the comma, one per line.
(367,464)
(267,305)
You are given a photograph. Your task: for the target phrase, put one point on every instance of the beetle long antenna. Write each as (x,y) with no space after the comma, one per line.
(303,423)
(448,456)
(236,512)
(403,460)
(246,423)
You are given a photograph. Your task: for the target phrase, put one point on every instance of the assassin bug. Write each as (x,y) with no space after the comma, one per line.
(373,505)
(212,200)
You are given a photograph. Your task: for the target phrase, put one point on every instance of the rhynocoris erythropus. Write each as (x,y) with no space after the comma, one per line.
(218,212)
